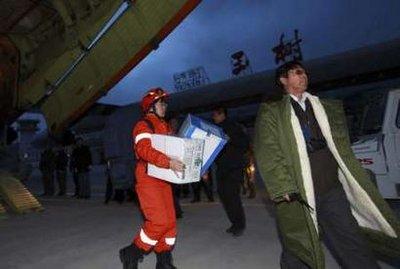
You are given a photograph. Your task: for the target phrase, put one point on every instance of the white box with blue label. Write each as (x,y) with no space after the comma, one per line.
(213,136)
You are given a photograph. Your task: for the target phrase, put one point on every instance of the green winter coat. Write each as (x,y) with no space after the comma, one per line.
(283,163)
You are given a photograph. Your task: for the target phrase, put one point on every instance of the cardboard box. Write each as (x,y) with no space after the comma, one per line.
(189,151)
(214,138)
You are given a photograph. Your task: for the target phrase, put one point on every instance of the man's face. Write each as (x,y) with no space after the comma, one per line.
(296,81)
(218,116)
(161,108)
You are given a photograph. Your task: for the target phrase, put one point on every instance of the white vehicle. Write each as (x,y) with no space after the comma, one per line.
(374,124)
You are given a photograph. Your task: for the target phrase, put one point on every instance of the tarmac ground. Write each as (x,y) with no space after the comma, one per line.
(85,234)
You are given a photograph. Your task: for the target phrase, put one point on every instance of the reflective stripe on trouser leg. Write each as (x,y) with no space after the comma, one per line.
(170,241)
(167,243)
(144,242)
(146,239)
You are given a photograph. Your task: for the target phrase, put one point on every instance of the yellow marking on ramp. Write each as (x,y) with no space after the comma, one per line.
(16,195)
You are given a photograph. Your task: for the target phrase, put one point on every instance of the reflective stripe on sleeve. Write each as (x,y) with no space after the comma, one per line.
(142,136)
(146,239)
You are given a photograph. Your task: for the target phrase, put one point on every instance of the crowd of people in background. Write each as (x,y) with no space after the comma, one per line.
(54,163)
(58,163)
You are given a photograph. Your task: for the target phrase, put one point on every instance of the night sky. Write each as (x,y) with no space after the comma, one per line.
(217,28)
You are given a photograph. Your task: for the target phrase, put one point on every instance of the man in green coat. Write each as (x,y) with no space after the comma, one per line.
(320,190)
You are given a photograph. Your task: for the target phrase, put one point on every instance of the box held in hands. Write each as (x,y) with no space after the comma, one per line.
(189,151)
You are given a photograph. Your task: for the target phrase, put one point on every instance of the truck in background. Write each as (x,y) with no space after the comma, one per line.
(374,125)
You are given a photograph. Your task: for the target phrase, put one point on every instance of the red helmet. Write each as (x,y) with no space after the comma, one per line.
(151,97)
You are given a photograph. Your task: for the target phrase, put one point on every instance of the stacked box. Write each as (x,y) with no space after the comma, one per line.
(213,136)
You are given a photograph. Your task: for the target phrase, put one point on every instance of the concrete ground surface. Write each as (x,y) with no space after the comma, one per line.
(86,234)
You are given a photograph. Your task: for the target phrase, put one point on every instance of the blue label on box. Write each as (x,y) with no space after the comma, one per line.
(192,123)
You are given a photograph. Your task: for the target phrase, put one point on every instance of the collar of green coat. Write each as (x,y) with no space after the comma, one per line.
(331,106)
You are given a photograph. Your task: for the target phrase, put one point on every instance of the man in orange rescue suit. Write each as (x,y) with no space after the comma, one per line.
(155,195)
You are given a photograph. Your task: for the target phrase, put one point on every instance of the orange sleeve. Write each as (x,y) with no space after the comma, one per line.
(141,135)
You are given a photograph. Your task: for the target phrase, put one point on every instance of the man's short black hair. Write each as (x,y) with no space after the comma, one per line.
(282,71)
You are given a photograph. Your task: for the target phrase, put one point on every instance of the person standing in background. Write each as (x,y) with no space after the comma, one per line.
(74,170)
(230,167)
(61,170)
(82,161)
(47,167)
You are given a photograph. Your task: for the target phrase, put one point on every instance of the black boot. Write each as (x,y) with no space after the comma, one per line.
(130,256)
(164,260)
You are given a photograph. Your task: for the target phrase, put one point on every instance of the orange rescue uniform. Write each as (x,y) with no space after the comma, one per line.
(158,232)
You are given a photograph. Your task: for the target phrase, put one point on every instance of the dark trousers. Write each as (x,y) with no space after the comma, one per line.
(61,178)
(340,232)
(48,182)
(177,204)
(207,187)
(76,183)
(228,186)
(84,185)
(324,170)
(109,190)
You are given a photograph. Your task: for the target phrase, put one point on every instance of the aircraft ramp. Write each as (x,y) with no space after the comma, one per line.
(2,211)
(16,195)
